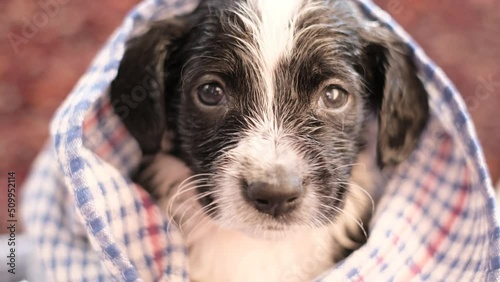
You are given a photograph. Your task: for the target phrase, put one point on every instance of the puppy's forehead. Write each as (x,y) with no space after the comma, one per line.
(282,38)
(272,27)
(272,24)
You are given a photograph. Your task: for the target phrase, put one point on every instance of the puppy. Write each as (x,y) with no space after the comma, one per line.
(285,112)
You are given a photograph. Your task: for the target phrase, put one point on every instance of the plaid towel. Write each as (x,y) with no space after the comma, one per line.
(436,220)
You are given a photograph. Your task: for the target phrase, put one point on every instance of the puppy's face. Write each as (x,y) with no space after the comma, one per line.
(269,100)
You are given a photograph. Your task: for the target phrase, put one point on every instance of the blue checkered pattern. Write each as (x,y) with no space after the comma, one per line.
(435,222)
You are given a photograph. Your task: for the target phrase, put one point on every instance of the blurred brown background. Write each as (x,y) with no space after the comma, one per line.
(47,44)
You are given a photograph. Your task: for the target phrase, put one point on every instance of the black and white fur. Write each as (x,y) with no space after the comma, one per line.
(277,65)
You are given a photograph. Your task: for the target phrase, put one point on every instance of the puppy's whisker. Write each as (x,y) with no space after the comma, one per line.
(199,211)
(185,185)
(171,215)
(318,223)
(184,190)
(333,198)
(346,213)
(348,165)
(204,213)
(194,199)
(364,191)
(190,187)
(191,202)
(205,220)
(195,176)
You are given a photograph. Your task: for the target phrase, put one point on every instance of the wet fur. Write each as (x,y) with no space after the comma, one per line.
(273,67)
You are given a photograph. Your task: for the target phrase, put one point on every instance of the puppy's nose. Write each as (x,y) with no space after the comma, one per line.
(275,198)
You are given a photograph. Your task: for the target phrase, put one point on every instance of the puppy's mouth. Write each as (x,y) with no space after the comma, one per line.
(274,231)
(270,213)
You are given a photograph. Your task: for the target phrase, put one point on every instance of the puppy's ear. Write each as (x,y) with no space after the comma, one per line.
(397,92)
(137,92)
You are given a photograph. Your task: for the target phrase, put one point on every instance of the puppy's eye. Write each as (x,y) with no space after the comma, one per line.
(334,97)
(211,94)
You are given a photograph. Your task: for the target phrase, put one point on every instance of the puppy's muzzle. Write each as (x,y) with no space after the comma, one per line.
(276,194)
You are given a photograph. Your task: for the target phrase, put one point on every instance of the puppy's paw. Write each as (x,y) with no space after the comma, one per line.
(167,177)
(163,174)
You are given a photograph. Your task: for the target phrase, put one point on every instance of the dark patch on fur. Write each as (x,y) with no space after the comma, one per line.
(374,67)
